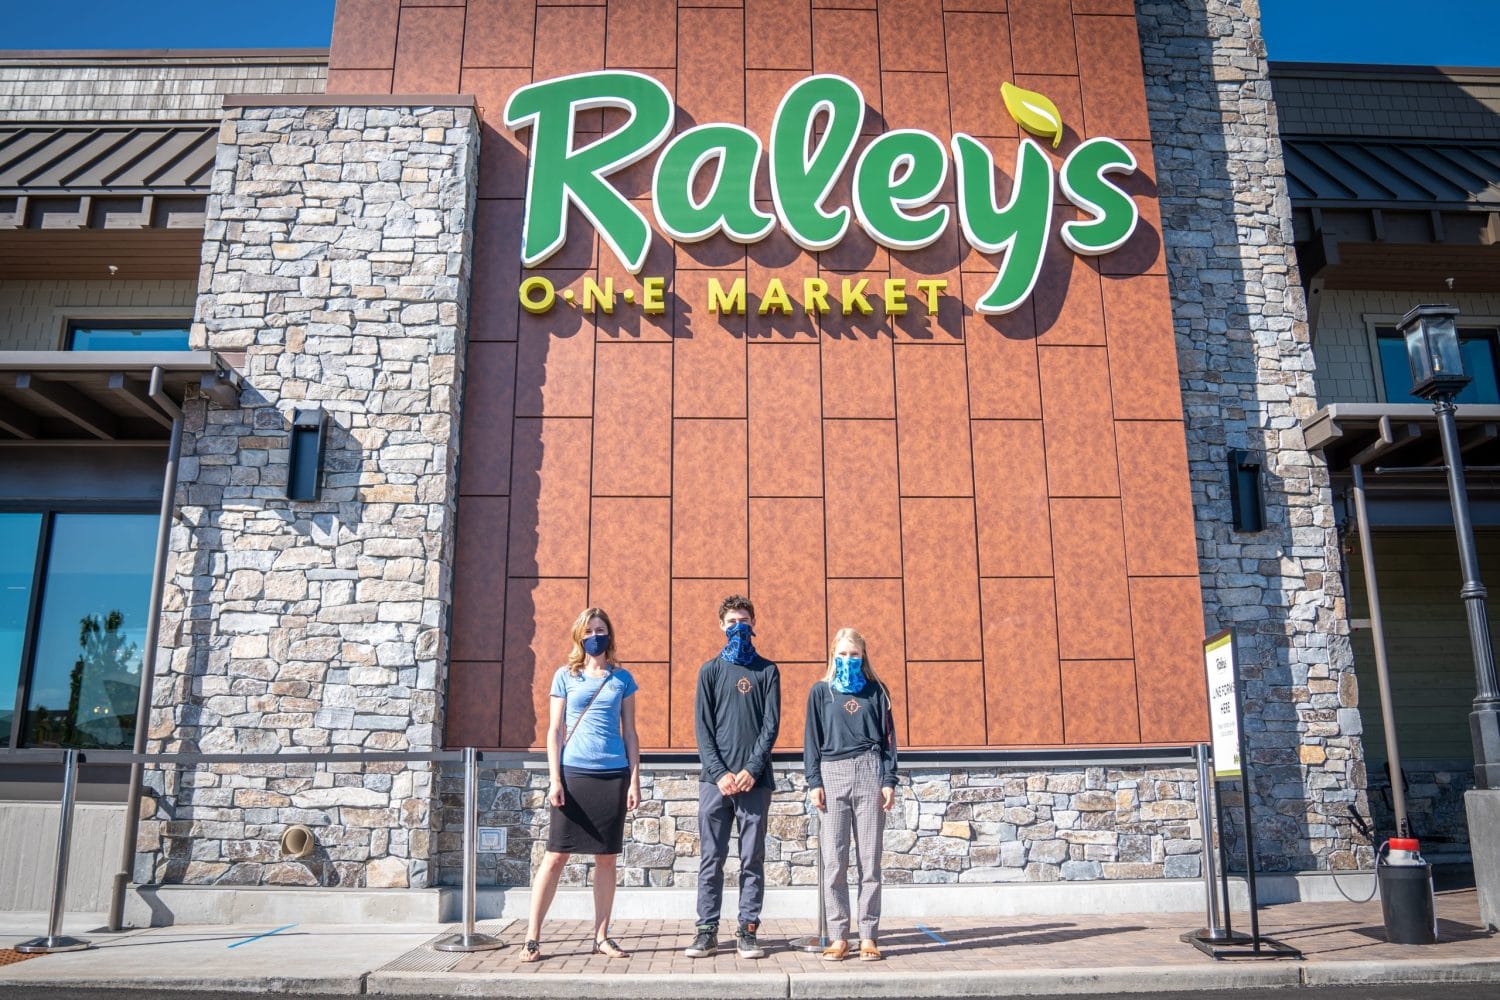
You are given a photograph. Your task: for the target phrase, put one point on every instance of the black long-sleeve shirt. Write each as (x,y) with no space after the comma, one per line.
(845,725)
(737,716)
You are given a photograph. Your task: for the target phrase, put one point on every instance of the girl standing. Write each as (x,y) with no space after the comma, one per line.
(849,753)
(594,760)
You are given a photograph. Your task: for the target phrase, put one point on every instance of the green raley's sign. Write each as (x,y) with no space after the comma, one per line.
(813,136)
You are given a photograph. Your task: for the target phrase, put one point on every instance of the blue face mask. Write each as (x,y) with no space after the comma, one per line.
(595,645)
(739,648)
(848,674)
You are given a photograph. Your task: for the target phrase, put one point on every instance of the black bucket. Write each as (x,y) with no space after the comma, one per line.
(1406,903)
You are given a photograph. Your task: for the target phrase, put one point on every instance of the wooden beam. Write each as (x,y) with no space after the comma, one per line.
(14,420)
(130,392)
(71,405)
(1473,437)
(1391,437)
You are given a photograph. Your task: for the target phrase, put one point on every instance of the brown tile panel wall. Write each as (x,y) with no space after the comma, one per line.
(1022,682)
(873,608)
(999,503)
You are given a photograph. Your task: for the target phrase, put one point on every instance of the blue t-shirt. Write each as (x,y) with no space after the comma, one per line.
(597,744)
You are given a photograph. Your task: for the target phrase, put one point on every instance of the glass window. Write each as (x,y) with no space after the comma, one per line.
(1480,356)
(19,534)
(127,337)
(86,669)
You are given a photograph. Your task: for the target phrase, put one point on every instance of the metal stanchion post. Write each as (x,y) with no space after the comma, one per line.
(815,942)
(55,941)
(468,940)
(1215,931)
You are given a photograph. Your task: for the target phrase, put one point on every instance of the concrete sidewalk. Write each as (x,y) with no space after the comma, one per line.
(1344,944)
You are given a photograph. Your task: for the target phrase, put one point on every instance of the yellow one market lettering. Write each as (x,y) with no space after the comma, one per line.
(813,137)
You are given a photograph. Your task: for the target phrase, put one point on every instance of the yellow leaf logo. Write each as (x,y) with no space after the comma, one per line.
(1033,112)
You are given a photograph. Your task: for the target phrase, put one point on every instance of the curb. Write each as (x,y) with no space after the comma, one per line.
(831,985)
(342,986)
(1043,982)
(1361,973)
(564,986)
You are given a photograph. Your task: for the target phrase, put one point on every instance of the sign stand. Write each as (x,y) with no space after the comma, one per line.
(1230,762)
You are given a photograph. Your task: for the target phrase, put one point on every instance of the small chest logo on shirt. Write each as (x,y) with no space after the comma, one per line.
(851,706)
(744,685)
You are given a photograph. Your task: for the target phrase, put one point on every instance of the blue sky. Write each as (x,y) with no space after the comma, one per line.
(1428,33)
(165,24)
(1432,32)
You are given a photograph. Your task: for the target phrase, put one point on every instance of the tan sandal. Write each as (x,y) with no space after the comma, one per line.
(609,947)
(836,952)
(868,952)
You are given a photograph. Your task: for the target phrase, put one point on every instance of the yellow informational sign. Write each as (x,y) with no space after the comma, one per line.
(1223,704)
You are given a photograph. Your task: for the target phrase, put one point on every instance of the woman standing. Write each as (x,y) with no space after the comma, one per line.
(849,752)
(594,760)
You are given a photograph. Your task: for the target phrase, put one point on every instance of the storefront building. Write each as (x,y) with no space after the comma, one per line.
(944,320)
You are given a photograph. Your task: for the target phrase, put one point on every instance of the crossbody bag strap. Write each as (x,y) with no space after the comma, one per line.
(571,729)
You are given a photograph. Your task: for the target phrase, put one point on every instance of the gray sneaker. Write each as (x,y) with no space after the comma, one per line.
(706,944)
(745,944)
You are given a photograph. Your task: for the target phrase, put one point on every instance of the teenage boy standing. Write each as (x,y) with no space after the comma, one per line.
(737,715)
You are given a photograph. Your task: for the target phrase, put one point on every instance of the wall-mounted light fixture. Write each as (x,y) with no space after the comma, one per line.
(1244,491)
(305,453)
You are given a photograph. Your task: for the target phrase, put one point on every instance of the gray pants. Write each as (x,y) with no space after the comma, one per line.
(717,812)
(852,790)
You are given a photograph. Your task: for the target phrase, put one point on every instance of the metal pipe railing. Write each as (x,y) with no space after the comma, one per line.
(54,941)
(465,940)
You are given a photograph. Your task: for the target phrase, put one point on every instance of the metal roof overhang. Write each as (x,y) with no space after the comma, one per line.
(79,197)
(1394,214)
(1399,435)
(104,397)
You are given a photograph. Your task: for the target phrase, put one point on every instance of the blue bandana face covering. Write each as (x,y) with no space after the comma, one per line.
(848,674)
(739,647)
(595,645)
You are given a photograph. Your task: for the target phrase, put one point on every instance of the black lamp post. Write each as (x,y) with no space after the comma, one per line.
(1437,374)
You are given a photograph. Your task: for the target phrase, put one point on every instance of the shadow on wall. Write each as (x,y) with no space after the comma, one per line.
(1232,347)
(222,574)
(558,451)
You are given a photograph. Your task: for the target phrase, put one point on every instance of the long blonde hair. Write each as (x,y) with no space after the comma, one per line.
(864,652)
(576,655)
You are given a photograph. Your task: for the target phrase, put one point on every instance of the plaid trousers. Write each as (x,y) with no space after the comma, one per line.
(852,790)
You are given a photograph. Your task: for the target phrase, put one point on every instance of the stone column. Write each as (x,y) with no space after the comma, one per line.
(336,269)
(1246,361)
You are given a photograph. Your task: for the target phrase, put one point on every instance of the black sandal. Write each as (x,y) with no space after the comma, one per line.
(610,947)
(532,952)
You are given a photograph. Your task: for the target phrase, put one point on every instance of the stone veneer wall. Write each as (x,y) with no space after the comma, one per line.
(337,256)
(1247,378)
(965,826)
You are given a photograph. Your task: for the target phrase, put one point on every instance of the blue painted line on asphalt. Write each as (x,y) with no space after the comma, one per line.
(932,934)
(266,934)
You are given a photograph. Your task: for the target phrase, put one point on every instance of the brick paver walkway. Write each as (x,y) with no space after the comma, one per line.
(1326,932)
